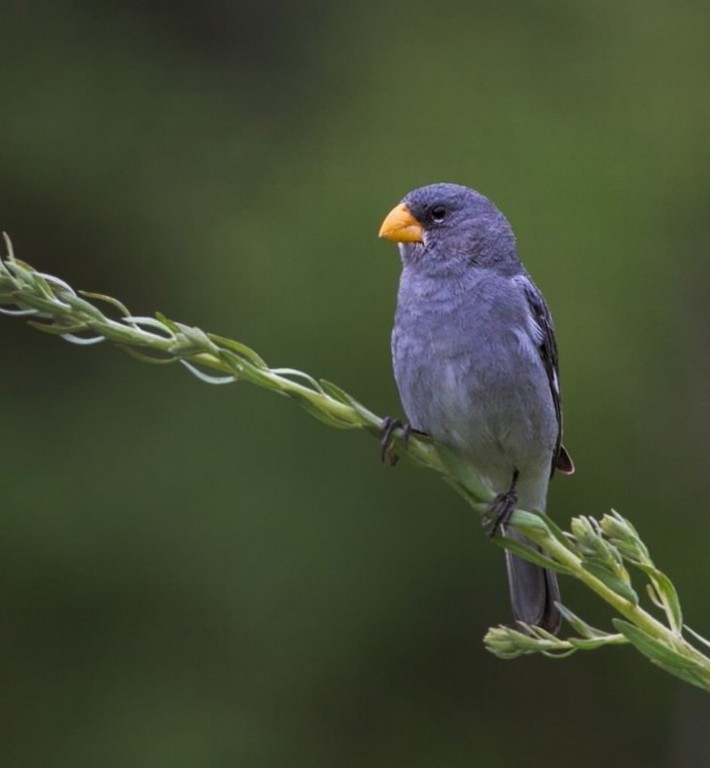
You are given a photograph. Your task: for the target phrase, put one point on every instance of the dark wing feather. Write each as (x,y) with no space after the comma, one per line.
(548,353)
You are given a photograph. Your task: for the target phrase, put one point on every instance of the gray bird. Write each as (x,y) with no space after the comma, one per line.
(475,360)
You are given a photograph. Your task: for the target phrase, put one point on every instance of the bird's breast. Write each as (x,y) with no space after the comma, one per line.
(469,373)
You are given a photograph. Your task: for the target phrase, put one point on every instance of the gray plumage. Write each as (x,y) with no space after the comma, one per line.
(475,361)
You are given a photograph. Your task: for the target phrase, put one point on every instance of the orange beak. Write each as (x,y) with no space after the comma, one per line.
(401,226)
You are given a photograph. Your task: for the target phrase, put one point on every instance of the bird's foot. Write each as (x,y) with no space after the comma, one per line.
(390,425)
(499,512)
(501,508)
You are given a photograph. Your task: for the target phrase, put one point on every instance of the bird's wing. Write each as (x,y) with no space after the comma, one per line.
(547,347)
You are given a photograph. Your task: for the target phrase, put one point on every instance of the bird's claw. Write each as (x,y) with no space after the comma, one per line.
(388,456)
(501,508)
(499,512)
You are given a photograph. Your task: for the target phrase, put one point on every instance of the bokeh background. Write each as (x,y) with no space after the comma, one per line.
(205,576)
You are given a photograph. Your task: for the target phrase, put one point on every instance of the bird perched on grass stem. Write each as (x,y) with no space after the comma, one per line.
(475,360)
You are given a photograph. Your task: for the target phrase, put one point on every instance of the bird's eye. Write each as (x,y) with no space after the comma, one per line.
(438,213)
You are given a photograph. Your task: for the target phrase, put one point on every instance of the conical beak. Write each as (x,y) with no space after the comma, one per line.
(401,226)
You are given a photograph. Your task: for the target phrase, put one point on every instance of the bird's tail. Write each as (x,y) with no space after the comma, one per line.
(533,590)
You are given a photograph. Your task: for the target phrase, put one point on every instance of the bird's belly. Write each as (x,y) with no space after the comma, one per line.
(500,416)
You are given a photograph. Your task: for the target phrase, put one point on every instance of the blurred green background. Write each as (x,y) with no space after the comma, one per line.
(205,576)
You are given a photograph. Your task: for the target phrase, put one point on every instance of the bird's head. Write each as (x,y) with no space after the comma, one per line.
(445,227)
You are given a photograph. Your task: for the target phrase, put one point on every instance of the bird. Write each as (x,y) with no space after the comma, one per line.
(476,363)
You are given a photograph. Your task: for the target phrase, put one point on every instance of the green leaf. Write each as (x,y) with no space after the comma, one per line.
(531,554)
(613,582)
(25,299)
(660,654)
(368,417)
(57,329)
(558,533)
(241,349)
(624,537)
(144,358)
(107,300)
(478,505)
(587,631)
(84,306)
(167,322)
(509,643)
(207,377)
(124,334)
(291,374)
(327,417)
(245,370)
(591,644)
(667,594)
(336,392)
